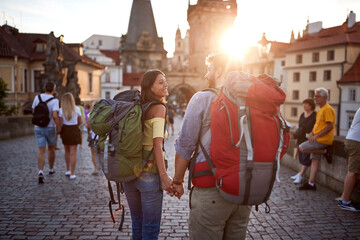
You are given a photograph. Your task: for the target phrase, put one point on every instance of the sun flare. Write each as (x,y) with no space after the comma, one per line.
(235,44)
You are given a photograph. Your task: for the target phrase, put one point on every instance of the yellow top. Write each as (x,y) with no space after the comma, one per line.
(323,116)
(153,128)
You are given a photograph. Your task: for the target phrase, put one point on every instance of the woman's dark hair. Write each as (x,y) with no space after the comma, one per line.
(147,81)
(311,102)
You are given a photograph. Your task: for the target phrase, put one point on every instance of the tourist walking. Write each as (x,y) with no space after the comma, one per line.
(70,120)
(145,194)
(46,135)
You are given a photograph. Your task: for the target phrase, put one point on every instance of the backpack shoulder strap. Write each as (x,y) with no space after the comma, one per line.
(39,97)
(49,99)
(217,91)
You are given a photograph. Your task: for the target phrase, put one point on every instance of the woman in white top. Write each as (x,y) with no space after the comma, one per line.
(70,119)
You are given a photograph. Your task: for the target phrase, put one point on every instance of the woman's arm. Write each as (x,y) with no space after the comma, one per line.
(166,180)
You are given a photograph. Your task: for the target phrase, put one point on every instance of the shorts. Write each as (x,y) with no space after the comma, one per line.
(46,135)
(70,135)
(352,149)
(314,146)
(304,158)
(171,120)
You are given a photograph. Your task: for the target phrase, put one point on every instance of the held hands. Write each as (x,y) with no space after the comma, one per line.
(167,183)
(178,189)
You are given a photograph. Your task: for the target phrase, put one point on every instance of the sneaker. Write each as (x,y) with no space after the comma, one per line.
(329,153)
(52,172)
(67,173)
(95,173)
(295,176)
(307,186)
(41,178)
(349,206)
(298,179)
(72,176)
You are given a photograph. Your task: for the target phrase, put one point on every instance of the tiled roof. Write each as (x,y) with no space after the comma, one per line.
(23,45)
(132,79)
(353,75)
(328,37)
(279,48)
(113,54)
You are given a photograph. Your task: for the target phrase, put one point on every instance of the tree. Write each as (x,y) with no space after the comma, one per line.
(4,109)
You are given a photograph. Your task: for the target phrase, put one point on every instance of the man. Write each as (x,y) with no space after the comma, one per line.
(47,135)
(352,147)
(211,216)
(321,137)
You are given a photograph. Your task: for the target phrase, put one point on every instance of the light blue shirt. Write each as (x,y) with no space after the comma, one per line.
(196,123)
(354,131)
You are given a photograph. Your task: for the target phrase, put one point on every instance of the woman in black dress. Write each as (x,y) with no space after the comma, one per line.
(306,121)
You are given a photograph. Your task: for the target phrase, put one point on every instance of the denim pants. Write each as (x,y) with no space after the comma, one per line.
(145,196)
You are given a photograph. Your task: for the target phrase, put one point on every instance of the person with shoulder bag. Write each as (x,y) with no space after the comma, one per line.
(306,123)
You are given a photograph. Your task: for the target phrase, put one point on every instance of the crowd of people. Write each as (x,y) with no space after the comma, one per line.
(211,216)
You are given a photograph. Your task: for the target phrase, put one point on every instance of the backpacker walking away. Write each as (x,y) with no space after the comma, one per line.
(45,118)
(131,131)
(232,139)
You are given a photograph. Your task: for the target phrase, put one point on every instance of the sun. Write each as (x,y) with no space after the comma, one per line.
(235,43)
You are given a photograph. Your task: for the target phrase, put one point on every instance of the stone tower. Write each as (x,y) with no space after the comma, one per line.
(209,20)
(181,53)
(141,48)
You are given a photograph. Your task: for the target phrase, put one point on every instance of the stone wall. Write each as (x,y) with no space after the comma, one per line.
(17,126)
(329,175)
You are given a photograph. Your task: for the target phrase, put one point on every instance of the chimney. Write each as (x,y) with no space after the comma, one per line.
(351,19)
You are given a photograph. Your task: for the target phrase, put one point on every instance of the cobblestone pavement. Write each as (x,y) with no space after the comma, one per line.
(77,209)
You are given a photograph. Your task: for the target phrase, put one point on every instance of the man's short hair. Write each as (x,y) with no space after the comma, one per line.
(323,91)
(49,86)
(224,61)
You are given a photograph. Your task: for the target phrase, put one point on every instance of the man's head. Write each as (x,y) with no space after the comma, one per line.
(218,65)
(50,87)
(321,95)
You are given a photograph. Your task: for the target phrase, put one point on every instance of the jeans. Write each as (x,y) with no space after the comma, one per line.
(145,196)
(45,135)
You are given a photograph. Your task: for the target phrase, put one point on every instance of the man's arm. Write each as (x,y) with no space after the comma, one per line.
(181,165)
(55,116)
(327,129)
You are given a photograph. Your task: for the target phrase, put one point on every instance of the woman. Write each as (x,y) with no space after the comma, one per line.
(70,119)
(306,121)
(145,194)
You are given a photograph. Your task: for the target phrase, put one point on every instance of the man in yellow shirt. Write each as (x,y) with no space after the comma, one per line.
(321,137)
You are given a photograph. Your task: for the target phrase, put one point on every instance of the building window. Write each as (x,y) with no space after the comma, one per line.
(328,95)
(100,42)
(296,77)
(38,80)
(311,93)
(90,83)
(350,118)
(327,75)
(142,63)
(107,95)
(26,81)
(352,95)
(145,44)
(330,55)
(294,112)
(299,58)
(281,78)
(295,95)
(316,57)
(107,77)
(40,47)
(282,63)
(179,44)
(312,77)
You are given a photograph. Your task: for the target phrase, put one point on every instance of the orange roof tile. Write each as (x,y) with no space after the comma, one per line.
(353,75)
(328,37)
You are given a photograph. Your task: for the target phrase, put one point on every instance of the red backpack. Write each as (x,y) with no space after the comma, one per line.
(248,138)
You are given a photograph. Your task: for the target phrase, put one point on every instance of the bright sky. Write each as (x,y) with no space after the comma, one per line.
(77,20)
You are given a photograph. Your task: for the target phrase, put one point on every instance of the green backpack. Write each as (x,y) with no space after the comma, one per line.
(119,124)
